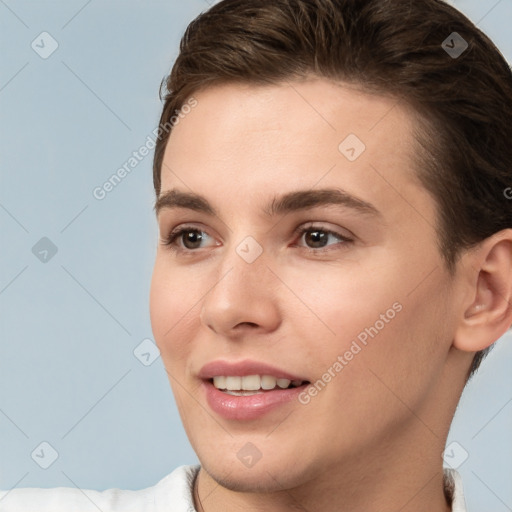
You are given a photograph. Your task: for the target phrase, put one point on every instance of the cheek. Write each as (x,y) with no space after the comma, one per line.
(172,311)
(337,303)
(375,314)
(401,359)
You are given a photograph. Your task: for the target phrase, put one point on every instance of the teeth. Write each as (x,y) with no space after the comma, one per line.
(219,382)
(283,383)
(252,383)
(233,383)
(268,382)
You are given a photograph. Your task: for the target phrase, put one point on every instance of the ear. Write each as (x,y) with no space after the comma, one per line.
(488,314)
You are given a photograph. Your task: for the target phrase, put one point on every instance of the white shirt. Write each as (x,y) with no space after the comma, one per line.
(173,493)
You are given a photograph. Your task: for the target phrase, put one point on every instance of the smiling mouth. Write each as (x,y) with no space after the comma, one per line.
(253,384)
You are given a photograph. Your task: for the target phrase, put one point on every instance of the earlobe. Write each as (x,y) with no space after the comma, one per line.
(489,314)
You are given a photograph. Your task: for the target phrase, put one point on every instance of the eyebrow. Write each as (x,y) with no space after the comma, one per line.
(279,205)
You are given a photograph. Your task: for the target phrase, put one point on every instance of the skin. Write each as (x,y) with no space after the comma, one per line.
(372,439)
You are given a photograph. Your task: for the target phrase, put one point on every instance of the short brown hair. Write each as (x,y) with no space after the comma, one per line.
(392,47)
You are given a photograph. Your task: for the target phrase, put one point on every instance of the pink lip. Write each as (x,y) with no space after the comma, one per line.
(246,407)
(241,368)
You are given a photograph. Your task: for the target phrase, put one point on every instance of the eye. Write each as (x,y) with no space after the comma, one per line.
(190,236)
(318,237)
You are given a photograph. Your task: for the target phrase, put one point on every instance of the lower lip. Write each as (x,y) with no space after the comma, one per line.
(248,407)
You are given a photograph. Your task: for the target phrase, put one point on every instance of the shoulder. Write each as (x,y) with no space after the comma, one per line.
(173,493)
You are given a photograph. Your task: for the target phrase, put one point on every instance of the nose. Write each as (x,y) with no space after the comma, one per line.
(243,298)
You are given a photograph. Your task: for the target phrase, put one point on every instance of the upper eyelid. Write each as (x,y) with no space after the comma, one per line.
(198,225)
(321,225)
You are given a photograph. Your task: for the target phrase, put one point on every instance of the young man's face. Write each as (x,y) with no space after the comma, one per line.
(367,322)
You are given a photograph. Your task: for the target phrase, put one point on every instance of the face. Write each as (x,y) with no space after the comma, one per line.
(345,294)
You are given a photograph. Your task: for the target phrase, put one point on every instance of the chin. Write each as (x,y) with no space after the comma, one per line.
(252,480)
(269,474)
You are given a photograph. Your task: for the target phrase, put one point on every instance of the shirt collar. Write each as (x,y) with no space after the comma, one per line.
(453,490)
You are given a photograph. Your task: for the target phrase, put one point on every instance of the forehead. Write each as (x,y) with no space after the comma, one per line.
(295,135)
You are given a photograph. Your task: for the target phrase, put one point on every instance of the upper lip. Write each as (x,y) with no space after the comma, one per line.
(243,368)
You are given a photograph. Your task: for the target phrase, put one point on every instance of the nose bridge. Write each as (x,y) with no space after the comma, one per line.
(243,265)
(241,293)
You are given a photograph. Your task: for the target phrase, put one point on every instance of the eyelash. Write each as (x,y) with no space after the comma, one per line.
(169,241)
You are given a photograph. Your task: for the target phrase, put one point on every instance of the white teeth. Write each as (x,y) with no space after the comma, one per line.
(219,382)
(252,383)
(283,383)
(268,382)
(233,383)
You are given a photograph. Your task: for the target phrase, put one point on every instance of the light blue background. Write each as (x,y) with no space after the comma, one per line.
(68,374)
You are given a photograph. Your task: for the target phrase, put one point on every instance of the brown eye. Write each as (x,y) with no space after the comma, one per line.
(190,238)
(317,237)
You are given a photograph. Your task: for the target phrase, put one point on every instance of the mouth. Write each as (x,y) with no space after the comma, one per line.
(247,389)
(249,385)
